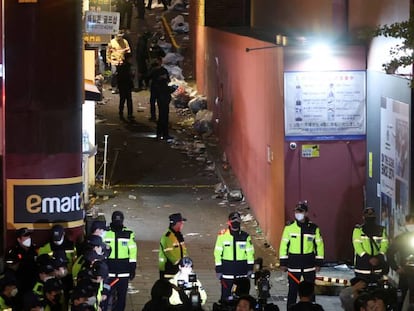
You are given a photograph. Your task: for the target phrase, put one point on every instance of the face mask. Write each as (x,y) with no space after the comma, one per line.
(62,272)
(299,216)
(102,233)
(14,292)
(60,241)
(410,228)
(27,242)
(91,301)
(99,250)
(235,225)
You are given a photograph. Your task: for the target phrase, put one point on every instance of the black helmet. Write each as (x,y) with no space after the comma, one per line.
(118,217)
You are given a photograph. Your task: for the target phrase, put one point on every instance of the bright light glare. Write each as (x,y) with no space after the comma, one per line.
(412,242)
(320,57)
(320,50)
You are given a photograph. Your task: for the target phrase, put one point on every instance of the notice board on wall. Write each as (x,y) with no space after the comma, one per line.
(328,105)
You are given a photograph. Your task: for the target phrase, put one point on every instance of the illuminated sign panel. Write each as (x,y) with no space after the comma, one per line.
(38,202)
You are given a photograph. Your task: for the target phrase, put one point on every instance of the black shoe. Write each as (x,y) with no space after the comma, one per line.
(169,139)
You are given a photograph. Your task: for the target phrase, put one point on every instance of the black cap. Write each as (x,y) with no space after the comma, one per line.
(369,212)
(302,206)
(100,268)
(57,232)
(234,217)
(95,240)
(117,217)
(59,258)
(45,263)
(7,280)
(80,292)
(23,232)
(98,224)
(177,217)
(52,284)
(90,255)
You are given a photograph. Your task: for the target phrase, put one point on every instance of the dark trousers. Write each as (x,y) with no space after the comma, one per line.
(405,283)
(121,290)
(153,100)
(125,95)
(293,286)
(125,11)
(163,116)
(140,9)
(241,288)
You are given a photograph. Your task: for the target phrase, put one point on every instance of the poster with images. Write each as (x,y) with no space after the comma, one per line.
(327,105)
(394,164)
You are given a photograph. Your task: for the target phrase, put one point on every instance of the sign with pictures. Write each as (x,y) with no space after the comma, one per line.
(327,105)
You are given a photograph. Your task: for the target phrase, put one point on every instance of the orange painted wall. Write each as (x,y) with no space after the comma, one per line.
(245,91)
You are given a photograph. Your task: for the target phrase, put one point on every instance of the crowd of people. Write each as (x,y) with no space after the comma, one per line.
(93,275)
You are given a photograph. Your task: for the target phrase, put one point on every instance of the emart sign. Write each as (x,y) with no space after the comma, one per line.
(34,203)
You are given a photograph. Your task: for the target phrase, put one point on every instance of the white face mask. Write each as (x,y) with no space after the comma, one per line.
(91,301)
(60,241)
(14,292)
(62,272)
(27,242)
(299,216)
(410,227)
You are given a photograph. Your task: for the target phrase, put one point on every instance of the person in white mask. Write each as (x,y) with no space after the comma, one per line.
(25,254)
(400,256)
(60,244)
(301,250)
(8,292)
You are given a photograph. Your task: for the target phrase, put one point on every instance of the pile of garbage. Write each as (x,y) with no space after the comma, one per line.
(189,104)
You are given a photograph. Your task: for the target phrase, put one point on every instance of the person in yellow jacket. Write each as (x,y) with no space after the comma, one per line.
(234,258)
(122,262)
(370,243)
(115,52)
(301,250)
(187,280)
(172,247)
(8,292)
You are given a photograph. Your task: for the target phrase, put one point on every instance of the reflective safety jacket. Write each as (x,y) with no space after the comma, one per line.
(301,247)
(3,304)
(367,247)
(122,261)
(67,246)
(172,249)
(233,254)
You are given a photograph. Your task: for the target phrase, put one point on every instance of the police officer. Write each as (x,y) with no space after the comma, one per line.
(59,243)
(370,245)
(301,250)
(400,257)
(172,247)
(122,261)
(25,251)
(233,256)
